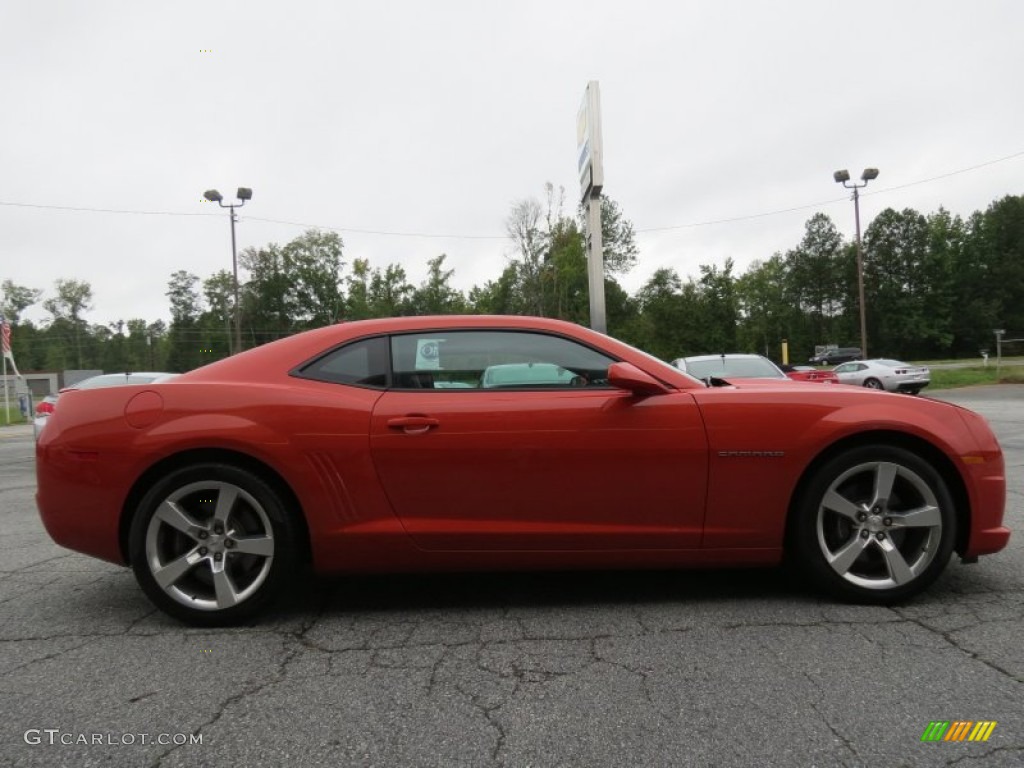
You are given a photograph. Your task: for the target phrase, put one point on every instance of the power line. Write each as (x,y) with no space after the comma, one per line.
(944,175)
(436,235)
(444,236)
(102,210)
(881,191)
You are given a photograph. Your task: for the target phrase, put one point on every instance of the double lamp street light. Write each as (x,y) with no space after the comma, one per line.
(243,194)
(843,177)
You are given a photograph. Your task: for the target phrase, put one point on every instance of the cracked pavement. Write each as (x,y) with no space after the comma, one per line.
(722,668)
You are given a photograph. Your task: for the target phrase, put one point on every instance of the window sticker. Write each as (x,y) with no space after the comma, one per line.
(428,354)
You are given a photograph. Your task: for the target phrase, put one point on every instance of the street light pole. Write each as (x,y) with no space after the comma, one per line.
(243,194)
(843,177)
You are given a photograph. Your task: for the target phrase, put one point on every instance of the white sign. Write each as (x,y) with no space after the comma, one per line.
(589,149)
(428,354)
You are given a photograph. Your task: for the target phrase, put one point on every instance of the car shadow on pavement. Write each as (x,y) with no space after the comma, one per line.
(413,593)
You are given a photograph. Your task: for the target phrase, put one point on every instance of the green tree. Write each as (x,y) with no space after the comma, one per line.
(989,276)
(184,339)
(524,227)
(389,292)
(618,241)
(73,298)
(312,265)
(15,299)
(908,283)
(718,302)
(764,312)
(816,277)
(435,296)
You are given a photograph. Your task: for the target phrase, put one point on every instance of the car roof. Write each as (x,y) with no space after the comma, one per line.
(727,356)
(277,358)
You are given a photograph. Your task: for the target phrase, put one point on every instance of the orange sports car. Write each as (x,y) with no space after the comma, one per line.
(472,443)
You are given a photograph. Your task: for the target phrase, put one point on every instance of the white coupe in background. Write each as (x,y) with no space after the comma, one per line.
(891,375)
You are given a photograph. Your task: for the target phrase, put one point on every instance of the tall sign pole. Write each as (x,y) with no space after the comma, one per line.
(590,167)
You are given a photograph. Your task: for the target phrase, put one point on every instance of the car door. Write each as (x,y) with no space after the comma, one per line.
(851,373)
(513,440)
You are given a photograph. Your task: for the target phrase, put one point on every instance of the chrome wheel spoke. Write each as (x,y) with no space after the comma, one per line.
(927,516)
(255,545)
(840,504)
(885,477)
(169,574)
(226,499)
(173,515)
(227,595)
(899,571)
(843,560)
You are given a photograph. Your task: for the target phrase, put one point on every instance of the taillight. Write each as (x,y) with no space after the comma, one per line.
(44,407)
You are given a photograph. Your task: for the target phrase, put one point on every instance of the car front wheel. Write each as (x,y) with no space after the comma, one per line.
(876,525)
(211,544)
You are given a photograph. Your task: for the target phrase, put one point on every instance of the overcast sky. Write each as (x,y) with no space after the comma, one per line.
(433,118)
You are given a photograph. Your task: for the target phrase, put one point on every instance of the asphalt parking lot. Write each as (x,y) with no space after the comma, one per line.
(724,668)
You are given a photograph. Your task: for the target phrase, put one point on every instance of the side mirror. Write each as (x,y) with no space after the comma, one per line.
(627,376)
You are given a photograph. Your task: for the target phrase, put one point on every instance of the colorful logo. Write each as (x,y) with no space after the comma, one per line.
(958,730)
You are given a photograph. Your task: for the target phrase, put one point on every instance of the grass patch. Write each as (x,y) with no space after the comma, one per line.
(15,414)
(949,378)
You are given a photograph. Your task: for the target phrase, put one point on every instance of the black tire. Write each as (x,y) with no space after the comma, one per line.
(872,383)
(863,547)
(212,544)
(913,391)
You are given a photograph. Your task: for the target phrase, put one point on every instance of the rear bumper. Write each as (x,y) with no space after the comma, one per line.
(907,386)
(78,504)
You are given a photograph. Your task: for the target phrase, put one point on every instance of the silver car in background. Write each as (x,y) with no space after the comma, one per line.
(729,366)
(891,375)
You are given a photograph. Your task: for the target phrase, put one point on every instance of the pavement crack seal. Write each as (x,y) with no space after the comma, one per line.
(291,648)
(947,636)
(597,658)
(984,756)
(56,654)
(840,736)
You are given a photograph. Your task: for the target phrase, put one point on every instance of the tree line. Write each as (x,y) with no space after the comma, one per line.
(936,286)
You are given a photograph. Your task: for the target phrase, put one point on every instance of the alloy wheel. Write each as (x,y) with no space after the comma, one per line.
(879,525)
(209,545)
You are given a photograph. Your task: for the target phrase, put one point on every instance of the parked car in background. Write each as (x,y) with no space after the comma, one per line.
(45,406)
(891,375)
(809,373)
(834,356)
(729,366)
(48,404)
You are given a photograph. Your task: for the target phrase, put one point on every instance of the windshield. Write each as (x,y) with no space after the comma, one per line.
(734,367)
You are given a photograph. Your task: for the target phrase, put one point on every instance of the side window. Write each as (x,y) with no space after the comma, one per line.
(494,360)
(363,363)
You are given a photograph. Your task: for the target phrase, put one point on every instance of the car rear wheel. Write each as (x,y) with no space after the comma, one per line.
(211,544)
(876,525)
(872,384)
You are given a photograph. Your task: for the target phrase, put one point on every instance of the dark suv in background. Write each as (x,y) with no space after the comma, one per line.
(836,356)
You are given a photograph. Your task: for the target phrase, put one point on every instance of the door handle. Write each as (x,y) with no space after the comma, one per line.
(413,425)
